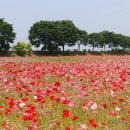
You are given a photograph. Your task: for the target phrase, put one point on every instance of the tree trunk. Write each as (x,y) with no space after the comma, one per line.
(93,48)
(63,46)
(79,46)
(45,47)
(104,48)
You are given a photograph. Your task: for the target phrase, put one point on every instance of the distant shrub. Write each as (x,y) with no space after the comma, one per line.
(22,48)
(29,47)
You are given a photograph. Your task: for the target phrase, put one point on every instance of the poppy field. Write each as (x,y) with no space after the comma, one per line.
(65,93)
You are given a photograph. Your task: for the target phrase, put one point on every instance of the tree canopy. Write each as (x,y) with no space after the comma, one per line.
(55,34)
(95,40)
(82,38)
(68,33)
(7,35)
(52,34)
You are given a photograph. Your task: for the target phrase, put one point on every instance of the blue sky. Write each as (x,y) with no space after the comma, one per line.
(89,15)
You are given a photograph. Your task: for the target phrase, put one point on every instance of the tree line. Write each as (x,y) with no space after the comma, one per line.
(54,35)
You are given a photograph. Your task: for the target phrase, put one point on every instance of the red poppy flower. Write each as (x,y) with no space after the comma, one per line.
(91,121)
(105,105)
(66,114)
(75,118)
(7,111)
(68,128)
(129,111)
(57,84)
(58,123)
(122,118)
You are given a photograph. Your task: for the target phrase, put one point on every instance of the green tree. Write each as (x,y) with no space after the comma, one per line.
(125,42)
(7,35)
(95,40)
(107,39)
(68,33)
(115,40)
(52,34)
(82,38)
(44,33)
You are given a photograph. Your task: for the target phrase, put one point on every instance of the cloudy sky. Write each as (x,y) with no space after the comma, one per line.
(90,15)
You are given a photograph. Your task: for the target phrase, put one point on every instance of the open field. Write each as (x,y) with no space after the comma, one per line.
(65,93)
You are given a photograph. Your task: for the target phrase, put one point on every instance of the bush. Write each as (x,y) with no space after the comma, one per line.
(22,47)
(29,47)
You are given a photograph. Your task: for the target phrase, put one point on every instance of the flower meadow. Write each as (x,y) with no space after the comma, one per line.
(65,93)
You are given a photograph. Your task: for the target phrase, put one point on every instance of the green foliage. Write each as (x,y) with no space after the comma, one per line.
(124,42)
(82,38)
(68,33)
(52,34)
(29,47)
(95,40)
(106,39)
(22,47)
(6,35)
(115,40)
(44,33)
